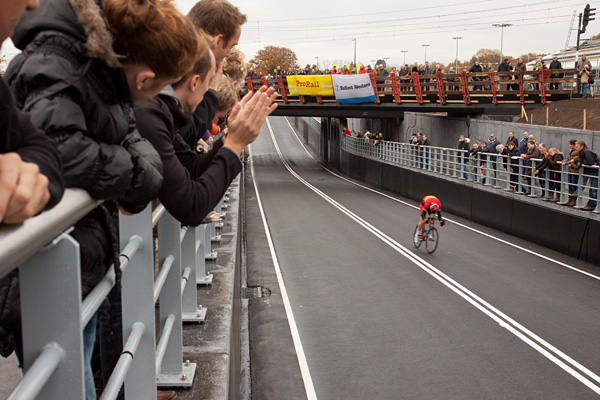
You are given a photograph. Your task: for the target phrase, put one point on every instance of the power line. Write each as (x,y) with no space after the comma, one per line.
(377,34)
(428,17)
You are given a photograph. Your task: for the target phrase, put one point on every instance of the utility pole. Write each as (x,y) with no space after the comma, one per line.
(457,38)
(502,26)
(404,60)
(354,40)
(425,45)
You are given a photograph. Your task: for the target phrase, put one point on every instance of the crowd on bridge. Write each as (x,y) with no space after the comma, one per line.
(406,71)
(127,112)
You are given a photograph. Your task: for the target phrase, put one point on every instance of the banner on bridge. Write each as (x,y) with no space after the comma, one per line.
(310,85)
(353,88)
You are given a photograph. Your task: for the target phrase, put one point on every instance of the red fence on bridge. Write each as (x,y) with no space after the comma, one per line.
(517,87)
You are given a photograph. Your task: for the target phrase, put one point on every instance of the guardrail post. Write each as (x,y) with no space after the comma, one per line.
(250,85)
(202,277)
(209,253)
(493,85)
(464,82)
(542,85)
(374,83)
(580,188)
(50,287)
(172,371)
(396,90)
(282,90)
(441,87)
(521,89)
(417,84)
(137,293)
(191,311)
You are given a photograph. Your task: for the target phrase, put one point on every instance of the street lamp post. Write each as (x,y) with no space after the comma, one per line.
(425,45)
(354,40)
(457,38)
(317,57)
(502,26)
(404,60)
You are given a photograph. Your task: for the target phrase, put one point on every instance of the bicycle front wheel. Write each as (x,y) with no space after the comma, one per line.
(417,240)
(432,240)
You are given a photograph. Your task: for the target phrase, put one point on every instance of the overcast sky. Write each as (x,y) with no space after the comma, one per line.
(325,29)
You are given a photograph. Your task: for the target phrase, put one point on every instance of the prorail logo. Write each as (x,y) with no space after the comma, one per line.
(308,84)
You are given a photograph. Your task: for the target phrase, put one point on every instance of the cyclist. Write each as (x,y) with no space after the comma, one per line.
(430,205)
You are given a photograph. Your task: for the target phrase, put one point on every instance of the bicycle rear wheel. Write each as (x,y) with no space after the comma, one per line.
(432,240)
(417,241)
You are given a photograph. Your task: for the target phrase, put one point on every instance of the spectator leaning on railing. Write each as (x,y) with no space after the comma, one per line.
(96,61)
(30,166)
(572,177)
(30,170)
(589,158)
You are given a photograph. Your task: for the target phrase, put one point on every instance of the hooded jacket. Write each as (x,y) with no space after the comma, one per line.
(68,79)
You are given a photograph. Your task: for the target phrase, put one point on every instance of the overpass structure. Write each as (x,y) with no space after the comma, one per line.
(495,93)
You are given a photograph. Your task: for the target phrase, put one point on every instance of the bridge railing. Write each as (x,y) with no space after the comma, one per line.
(536,86)
(53,315)
(492,170)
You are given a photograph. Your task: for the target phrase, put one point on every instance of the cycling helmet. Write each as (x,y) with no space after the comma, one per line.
(434,207)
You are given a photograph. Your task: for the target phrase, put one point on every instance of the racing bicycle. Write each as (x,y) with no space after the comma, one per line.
(430,236)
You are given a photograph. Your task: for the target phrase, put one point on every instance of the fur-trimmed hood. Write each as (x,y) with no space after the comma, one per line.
(82,19)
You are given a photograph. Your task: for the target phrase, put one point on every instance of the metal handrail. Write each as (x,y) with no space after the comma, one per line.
(18,242)
(39,373)
(485,168)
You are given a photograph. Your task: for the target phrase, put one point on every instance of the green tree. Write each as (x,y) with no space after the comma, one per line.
(272,57)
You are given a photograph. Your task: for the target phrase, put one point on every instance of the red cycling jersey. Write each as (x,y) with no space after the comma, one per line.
(428,201)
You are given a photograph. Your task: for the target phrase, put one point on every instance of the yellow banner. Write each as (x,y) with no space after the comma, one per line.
(310,85)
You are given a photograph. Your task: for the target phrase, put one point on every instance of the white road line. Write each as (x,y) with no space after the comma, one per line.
(562,264)
(565,362)
(308,383)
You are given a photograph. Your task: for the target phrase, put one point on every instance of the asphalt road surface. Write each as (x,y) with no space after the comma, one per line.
(487,316)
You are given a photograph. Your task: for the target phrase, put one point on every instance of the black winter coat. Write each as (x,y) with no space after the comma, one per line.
(17,134)
(191,188)
(63,79)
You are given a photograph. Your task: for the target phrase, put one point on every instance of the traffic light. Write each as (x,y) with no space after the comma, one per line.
(588,13)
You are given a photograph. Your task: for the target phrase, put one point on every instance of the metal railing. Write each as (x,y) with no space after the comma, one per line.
(53,314)
(488,169)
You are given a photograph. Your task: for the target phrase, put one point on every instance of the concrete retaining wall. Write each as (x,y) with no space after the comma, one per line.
(443,131)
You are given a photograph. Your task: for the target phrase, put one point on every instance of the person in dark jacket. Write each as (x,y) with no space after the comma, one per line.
(512,138)
(463,144)
(96,61)
(533,152)
(513,154)
(555,64)
(192,190)
(223,23)
(504,67)
(476,68)
(587,159)
(29,165)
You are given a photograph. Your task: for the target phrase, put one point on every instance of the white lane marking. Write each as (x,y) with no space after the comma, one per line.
(543,347)
(308,383)
(562,264)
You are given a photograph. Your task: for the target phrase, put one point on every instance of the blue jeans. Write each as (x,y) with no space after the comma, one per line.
(593,179)
(573,179)
(584,88)
(89,337)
